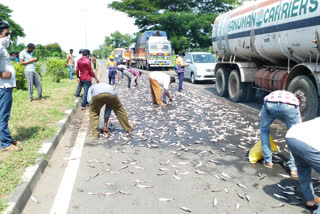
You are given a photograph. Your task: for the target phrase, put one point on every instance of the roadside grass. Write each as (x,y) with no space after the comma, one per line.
(32,123)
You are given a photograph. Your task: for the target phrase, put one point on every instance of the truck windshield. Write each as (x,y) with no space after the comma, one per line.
(118,52)
(165,47)
(203,58)
(160,47)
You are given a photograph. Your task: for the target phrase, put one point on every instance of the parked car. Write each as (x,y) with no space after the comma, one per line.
(201,66)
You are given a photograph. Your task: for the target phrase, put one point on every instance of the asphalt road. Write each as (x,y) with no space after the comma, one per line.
(190,156)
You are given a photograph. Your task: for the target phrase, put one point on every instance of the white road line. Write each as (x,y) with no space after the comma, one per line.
(62,200)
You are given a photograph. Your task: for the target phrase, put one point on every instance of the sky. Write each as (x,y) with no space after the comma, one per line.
(74,24)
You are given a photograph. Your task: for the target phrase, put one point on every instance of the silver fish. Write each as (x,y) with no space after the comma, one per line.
(278,206)
(225,175)
(144,186)
(240,195)
(186,209)
(237,206)
(124,193)
(215,202)
(176,177)
(280,197)
(200,172)
(165,199)
(248,197)
(242,186)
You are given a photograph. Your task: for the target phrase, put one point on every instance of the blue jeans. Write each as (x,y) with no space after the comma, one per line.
(70,71)
(180,76)
(5,109)
(112,76)
(80,85)
(306,158)
(288,114)
(86,86)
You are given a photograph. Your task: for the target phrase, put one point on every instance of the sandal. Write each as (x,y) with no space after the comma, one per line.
(268,165)
(11,148)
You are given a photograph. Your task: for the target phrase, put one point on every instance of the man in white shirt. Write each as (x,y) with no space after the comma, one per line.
(7,83)
(157,80)
(303,140)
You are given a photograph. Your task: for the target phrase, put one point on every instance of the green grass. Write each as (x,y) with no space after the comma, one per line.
(32,123)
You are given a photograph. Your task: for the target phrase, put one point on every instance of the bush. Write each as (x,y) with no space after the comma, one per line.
(57,69)
(20,77)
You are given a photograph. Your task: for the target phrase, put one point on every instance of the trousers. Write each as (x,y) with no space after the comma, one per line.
(33,78)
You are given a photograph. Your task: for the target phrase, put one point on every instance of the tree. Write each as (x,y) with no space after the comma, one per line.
(115,40)
(16,30)
(187,22)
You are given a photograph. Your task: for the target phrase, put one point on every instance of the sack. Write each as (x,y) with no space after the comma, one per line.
(255,153)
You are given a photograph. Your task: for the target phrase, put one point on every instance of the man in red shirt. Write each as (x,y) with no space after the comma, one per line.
(85,69)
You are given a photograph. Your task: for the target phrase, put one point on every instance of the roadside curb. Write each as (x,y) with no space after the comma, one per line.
(19,198)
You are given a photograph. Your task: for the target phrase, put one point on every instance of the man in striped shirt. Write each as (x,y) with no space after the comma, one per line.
(284,106)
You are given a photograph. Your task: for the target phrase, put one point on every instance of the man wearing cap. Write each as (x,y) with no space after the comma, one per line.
(101,94)
(112,66)
(157,80)
(30,71)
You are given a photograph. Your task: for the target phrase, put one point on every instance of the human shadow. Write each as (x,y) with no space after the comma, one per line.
(24,134)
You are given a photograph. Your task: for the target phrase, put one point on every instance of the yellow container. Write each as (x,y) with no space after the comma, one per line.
(255,153)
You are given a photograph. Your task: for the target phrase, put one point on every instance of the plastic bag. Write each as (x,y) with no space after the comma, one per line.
(255,153)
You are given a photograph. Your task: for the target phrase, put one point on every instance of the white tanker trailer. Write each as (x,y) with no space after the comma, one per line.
(270,45)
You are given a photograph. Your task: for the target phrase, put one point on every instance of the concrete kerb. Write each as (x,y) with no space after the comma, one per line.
(19,198)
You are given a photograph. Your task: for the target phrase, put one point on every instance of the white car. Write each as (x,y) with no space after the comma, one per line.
(201,66)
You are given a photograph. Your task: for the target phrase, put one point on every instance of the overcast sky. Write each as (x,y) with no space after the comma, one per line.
(73,24)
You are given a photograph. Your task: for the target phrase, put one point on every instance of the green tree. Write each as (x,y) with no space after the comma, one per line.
(16,30)
(187,22)
(115,40)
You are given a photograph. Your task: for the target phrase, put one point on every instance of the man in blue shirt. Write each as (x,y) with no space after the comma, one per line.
(101,94)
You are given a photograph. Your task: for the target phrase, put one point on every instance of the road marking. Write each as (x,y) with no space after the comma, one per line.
(62,199)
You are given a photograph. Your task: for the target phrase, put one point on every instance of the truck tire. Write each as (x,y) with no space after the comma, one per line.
(306,92)
(222,82)
(237,90)
(251,93)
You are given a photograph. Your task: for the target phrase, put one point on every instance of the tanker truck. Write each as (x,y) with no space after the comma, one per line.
(269,45)
(153,49)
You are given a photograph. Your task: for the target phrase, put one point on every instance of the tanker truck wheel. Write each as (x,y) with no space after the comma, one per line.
(306,92)
(237,90)
(222,82)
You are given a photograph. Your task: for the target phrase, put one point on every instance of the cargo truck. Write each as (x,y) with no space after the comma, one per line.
(121,55)
(270,45)
(153,49)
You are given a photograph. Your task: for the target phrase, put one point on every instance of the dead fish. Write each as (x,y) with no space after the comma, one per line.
(107,170)
(198,165)
(242,186)
(144,186)
(284,176)
(124,193)
(216,190)
(124,167)
(186,209)
(248,197)
(114,172)
(176,177)
(278,205)
(164,169)
(225,175)
(93,193)
(226,190)
(288,193)
(280,197)
(240,195)
(109,184)
(138,167)
(215,202)
(109,193)
(162,173)
(165,199)
(184,173)
(34,199)
(237,206)
(214,161)
(200,172)
(183,163)
(91,177)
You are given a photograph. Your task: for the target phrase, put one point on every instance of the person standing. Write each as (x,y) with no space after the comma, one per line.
(112,66)
(103,94)
(284,106)
(303,142)
(70,62)
(30,71)
(157,80)
(180,70)
(132,76)
(84,73)
(94,61)
(80,84)
(7,83)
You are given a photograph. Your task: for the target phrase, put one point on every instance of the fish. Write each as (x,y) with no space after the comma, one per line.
(166,199)
(124,167)
(216,190)
(144,186)
(164,169)
(284,176)
(225,175)
(237,206)
(248,197)
(280,197)
(34,199)
(278,206)
(242,186)
(200,172)
(109,193)
(240,195)
(108,184)
(183,163)
(198,165)
(215,202)
(186,209)
(124,193)
(138,167)
(176,177)
(288,193)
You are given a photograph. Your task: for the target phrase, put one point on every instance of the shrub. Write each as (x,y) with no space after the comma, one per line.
(57,69)
(20,77)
